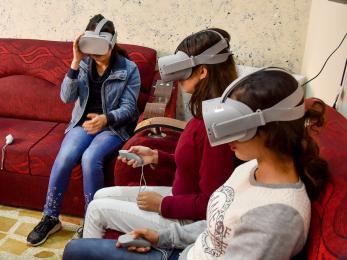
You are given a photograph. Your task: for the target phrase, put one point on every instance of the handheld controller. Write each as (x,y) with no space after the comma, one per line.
(131,156)
(128,240)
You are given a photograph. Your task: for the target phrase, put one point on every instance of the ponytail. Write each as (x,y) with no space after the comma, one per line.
(313,169)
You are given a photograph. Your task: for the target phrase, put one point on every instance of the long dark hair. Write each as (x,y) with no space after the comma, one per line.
(108,27)
(219,76)
(289,139)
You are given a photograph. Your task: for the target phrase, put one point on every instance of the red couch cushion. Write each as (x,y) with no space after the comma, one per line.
(42,159)
(328,231)
(26,133)
(28,97)
(31,72)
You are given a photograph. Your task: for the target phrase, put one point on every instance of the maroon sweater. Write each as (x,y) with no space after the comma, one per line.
(200,170)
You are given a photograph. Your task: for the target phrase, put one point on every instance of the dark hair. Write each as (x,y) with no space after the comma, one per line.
(219,76)
(108,27)
(288,138)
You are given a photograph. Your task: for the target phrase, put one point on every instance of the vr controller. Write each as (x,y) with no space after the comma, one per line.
(128,240)
(131,156)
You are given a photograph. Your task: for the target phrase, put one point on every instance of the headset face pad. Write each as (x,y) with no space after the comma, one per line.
(166,75)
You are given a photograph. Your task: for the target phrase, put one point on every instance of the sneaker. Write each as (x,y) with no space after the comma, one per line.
(79,233)
(47,226)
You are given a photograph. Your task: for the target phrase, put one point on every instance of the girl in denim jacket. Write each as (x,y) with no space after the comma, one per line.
(105,89)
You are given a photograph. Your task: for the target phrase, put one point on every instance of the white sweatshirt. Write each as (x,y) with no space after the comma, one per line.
(246,220)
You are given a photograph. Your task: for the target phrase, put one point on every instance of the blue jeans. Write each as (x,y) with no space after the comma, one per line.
(92,150)
(93,249)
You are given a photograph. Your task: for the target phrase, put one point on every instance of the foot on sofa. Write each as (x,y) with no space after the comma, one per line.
(47,226)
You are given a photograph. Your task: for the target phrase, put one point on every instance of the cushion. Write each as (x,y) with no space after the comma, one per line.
(328,231)
(29,68)
(26,133)
(28,97)
(42,159)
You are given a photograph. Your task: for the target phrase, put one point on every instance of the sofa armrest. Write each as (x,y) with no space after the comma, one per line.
(159,122)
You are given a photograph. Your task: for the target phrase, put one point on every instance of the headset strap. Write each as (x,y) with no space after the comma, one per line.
(100,25)
(209,56)
(196,60)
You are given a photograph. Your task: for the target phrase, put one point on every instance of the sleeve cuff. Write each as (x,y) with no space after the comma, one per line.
(165,238)
(72,74)
(165,159)
(110,119)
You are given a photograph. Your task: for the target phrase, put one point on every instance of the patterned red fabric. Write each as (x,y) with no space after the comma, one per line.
(41,158)
(26,133)
(38,99)
(128,176)
(34,69)
(328,231)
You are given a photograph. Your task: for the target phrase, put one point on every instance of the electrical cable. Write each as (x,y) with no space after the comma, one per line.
(341,87)
(3,156)
(344,37)
(142,179)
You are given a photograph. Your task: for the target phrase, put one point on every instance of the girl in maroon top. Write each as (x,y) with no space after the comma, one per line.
(125,208)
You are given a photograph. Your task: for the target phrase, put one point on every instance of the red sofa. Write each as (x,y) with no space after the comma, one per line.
(31,72)
(328,232)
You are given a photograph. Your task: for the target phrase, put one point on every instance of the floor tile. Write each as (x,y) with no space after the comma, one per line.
(70,219)
(59,239)
(13,246)
(30,213)
(6,223)
(44,254)
(24,229)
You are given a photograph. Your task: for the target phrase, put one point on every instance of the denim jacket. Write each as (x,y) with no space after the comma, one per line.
(119,95)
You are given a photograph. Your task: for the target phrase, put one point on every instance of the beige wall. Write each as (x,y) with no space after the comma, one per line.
(327,26)
(263,32)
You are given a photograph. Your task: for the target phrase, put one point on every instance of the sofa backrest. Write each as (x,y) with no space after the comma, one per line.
(328,232)
(31,72)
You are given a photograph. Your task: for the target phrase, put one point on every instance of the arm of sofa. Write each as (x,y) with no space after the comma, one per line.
(158,122)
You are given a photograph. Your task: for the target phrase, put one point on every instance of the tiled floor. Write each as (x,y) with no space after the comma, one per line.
(16,223)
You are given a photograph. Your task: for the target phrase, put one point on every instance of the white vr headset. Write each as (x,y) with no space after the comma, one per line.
(179,65)
(96,42)
(228,120)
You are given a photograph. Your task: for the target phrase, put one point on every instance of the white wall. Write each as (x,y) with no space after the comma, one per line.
(327,26)
(263,32)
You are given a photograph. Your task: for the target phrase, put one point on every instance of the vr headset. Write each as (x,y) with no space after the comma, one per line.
(228,120)
(96,42)
(179,65)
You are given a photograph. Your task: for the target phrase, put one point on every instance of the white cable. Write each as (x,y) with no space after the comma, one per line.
(3,156)
(142,178)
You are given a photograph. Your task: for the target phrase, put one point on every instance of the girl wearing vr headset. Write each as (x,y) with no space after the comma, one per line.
(263,210)
(104,86)
(194,161)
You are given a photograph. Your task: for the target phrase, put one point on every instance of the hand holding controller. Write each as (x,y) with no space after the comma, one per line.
(128,240)
(131,156)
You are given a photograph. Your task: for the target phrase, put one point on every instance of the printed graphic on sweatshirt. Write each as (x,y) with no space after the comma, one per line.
(213,239)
